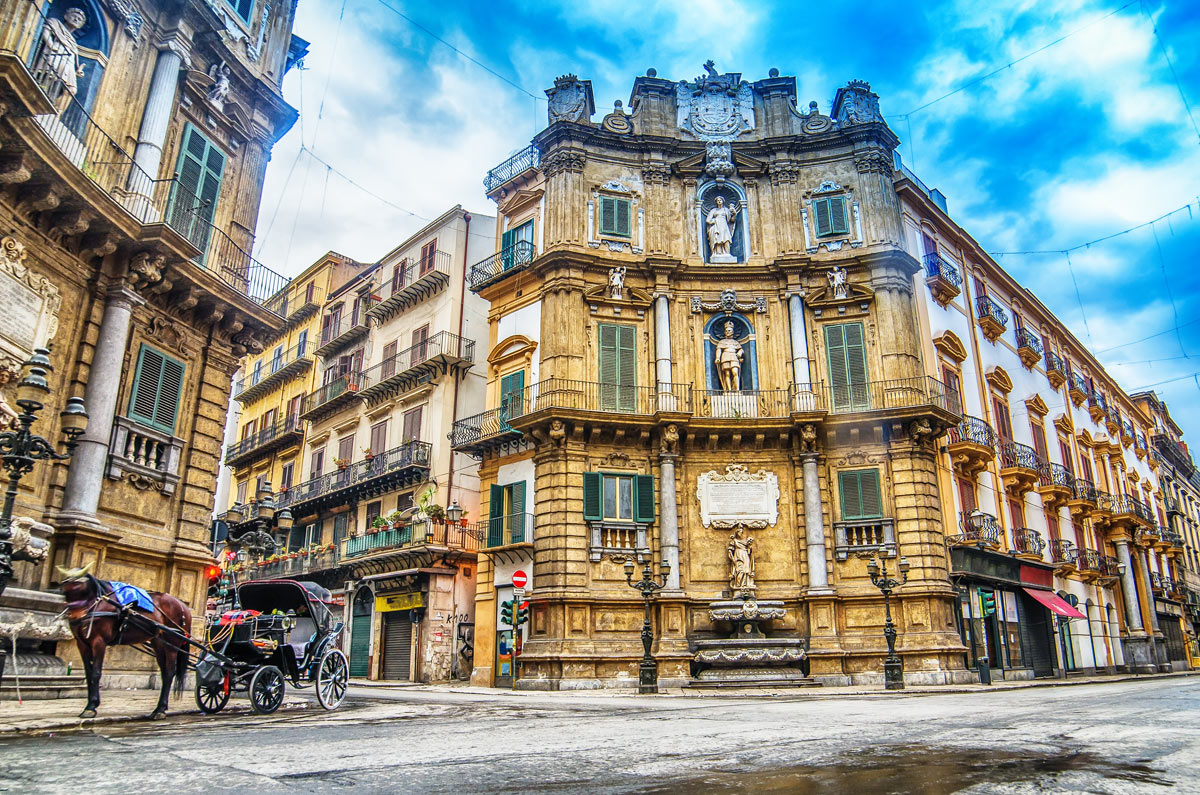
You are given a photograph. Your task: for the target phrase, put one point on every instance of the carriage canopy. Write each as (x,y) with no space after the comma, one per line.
(296,596)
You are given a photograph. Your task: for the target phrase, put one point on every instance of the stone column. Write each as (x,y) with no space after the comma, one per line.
(662,346)
(1133,613)
(156,119)
(669,518)
(814,527)
(805,399)
(87,467)
(1149,590)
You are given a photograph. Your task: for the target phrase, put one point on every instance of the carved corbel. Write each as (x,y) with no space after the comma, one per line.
(248,343)
(16,168)
(185,299)
(145,269)
(69,223)
(38,198)
(211,313)
(233,324)
(98,244)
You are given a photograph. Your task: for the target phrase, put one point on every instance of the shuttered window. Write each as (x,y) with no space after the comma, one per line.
(379,437)
(860,497)
(1003,422)
(847,366)
(411,430)
(830,216)
(157,387)
(243,8)
(614,216)
(506,514)
(618,367)
(620,498)
(512,390)
(388,368)
(197,187)
(428,254)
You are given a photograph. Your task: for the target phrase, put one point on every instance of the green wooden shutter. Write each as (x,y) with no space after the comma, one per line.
(618,367)
(872,502)
(623,228)
(507,239)
(837,216)
(517,514)
(197,187)
(512,388)
(495,512)
(608,216)
(846,352)
(591,496)
(856,366)
(157,387)
(821,217)
(850,495)
(860,495)
(643,498)
(839,378)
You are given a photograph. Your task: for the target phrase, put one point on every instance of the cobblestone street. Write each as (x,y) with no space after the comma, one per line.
(1133,736)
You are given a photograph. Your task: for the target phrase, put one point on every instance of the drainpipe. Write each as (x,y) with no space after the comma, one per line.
(462,297)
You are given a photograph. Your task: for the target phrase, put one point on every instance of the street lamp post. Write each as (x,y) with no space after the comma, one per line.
(257,532)
(648,586)
(893,666)
(20,449)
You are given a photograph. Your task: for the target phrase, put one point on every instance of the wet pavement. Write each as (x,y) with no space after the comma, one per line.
(1135,736)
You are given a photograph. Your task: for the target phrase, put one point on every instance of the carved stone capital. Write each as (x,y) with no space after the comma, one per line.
(563,161)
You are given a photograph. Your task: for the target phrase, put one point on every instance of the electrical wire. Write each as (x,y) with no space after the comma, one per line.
(1091,243)
(1145,339)
(337,35)
(1182,96)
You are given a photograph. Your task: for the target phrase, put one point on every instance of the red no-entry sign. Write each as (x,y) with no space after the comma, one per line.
(520,579)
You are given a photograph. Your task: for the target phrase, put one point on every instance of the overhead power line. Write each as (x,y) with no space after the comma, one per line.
(1091,243)
(1187,107)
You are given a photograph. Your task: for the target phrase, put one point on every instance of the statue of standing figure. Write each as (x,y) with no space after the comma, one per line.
(741,561)
(728,359)
(59,55)
(616,282)
(721,221)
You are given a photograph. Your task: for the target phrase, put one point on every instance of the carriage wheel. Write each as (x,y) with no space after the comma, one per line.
(266,690)
(333,676)
(213,698)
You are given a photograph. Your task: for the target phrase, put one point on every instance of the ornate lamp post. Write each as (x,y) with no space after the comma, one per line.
(20,449)
(893,666)
(648,585)
(257,532)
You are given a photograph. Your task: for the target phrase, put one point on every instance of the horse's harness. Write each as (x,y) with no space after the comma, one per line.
(122,614)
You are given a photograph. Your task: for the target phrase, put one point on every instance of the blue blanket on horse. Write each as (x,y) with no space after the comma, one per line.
(128,594)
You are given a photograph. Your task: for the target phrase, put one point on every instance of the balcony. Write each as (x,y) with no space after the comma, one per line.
(280,369)
(993,320)
(972,446)
(1156,583)
(380,473)
(1089,563)
(421,534)
(1077,390)
(1029,347)
(293,565)
(528,159)
(509,260)
(1131,510)
(410,285)
(864,535)
(1112,420)
(332,397)
(978,529)
(895,395)
(1027,543)
(1174,540)
(434,357)
(1020,468)
(295,304)
(348,330)
(1097,405)
(146,457)
(591,397)
(1056,370)
(1151,536)
(279,435)
(943,279)
(61,160)
(1056,485)
(1083,498)
(1139,446)
(483,431)
(1127,435)
(1063,553)
(515,529)
(746,404)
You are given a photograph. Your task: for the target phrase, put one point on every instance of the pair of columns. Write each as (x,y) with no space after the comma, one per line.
(814,521)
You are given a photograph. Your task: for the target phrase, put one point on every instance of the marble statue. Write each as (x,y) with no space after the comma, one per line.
(616,282)
(728,359)
(60,52)
(219,91)
(9,371)
(838,284)
(721,221)
(741,561)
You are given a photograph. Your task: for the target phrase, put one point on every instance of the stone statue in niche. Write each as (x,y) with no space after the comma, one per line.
(219,91)
(60,52)
(839,287)
(728,360)
(741,561)
(721,221)
(616,282)
(9,370)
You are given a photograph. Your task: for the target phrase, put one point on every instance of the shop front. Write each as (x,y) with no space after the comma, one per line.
(1171,617)
(1009,618)
(400,616)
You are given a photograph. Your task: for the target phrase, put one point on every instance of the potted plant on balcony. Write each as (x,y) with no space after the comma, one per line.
(341,463)
(367,454)
(397,519)
(377,524)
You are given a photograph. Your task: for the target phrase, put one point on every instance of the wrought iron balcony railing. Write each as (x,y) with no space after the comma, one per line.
(974,430)
(347,329)
(433,354)
(564,393)
(1027,542)
(900,393)
(1028,340)
(989,309)
(1088,560)
(1084,490)
(1079,384)
(503,531)
(294,301)
(341,389)
(1095,399)
(979,528)
(484,426)
(1124,504)
(1062,551)
(528,158)
(274,370)
(424,533)
(938,267)
(1014,455)
(1055,364)
(283,431)
(408,284)
(508,260)
(406,456)
(1057,475)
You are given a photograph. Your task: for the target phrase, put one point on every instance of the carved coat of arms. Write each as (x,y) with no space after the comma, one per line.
(715,107)
(570,100)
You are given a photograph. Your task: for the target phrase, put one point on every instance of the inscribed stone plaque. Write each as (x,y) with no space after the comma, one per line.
(29,304)
(738,498)
(21,309)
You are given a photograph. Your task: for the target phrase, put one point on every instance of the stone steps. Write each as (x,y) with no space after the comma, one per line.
(42,687)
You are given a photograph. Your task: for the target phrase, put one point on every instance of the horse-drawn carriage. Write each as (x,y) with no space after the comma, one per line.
(284,630)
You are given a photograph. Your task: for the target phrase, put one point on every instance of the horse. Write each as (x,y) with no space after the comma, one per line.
(97,621)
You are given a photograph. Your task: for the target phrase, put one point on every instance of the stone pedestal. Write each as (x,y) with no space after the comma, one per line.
(1140,654)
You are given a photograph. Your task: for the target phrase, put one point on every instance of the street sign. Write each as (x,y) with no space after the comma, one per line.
(518,594)
(520,579)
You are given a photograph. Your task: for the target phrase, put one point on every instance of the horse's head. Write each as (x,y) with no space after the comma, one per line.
(79,587)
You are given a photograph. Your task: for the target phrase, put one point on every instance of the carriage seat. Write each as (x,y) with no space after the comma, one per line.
(301,635)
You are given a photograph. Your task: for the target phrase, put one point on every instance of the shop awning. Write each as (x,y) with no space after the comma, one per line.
(1054,603)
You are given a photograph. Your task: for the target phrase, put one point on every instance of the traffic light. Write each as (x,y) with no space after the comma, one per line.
(214,574)
(522,612)
(987,603)
(506,612)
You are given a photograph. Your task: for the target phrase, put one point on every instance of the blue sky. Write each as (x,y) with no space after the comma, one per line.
(1088,137)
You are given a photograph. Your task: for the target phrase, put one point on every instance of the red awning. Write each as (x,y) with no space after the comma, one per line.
(1054,603)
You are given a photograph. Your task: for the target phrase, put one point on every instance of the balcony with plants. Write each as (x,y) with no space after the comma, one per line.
(992,318)
(273,372)
(334,395)
(374,474)
(441,354)
(395,534)
(409,284)
(943,278)
(339,335)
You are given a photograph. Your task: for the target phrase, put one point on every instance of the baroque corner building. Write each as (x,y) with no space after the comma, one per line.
(704,347)
(134,138)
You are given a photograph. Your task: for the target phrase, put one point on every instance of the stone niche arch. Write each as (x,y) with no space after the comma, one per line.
(949,345)
(743,332)
(706,197)
(511,353)
(93,43)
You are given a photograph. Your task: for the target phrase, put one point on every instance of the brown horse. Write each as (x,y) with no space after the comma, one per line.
(97,622)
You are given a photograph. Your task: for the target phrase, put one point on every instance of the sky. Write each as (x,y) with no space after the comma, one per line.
(404,106)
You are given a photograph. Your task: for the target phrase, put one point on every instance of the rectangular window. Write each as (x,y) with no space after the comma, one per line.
(317,464)
(346,448)
(340,523)
(379,437)
(952,381)
(619,498)
(388,368)
(285,475)
(293,408)
(966,495)
(374,510)
(243,8)
(398,276)
(259,482)
(419,337)
(846,348)
(157,388)
(512,391)
(240,499)
(248,429)
(615,216)
(196,188)
(1052,526)
(404,501)
(428,255)
(1016,513)
(830,216)
(506,514)
(277,359)
(928,244)
(268,419)
(1065,450)
(519,234)
(302,342)
(618,367)
(1085,465)
(256,375)
(411,431)
(1003,423)
(1039,440)
(859,490)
